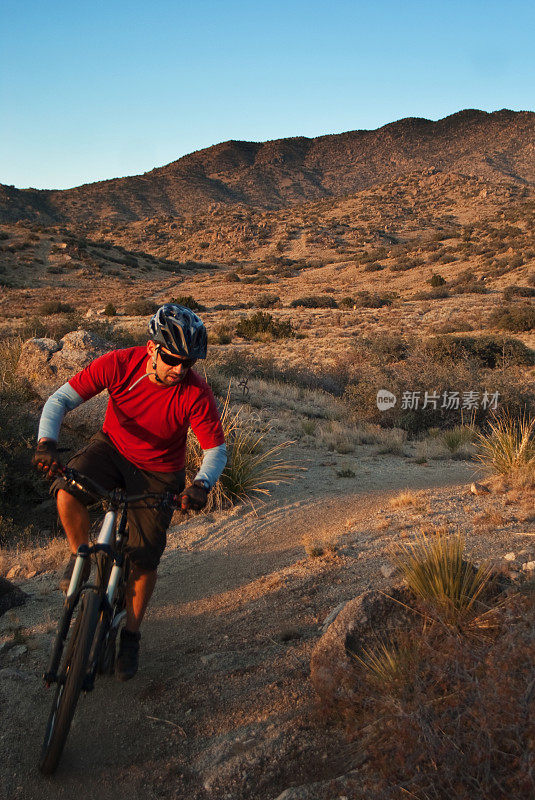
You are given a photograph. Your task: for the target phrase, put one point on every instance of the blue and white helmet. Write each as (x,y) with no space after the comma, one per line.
(179,330)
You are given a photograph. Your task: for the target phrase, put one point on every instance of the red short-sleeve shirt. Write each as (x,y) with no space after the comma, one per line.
(148,423)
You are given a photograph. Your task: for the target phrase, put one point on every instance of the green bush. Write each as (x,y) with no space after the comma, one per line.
(54,307)
(263,324)
(436,280)
(314,301)
(110,310)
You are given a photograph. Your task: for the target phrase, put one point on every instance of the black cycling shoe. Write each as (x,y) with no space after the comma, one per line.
(128,658)
(67,575)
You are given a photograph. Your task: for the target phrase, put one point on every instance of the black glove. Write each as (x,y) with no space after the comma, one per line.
(194,497)
(46,458)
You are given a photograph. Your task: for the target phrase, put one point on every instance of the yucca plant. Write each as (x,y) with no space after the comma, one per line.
(449,588)
(251,468)
(509,448)
(390,665)
(458,436)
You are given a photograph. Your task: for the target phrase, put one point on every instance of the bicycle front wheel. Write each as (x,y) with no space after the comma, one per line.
(70,682)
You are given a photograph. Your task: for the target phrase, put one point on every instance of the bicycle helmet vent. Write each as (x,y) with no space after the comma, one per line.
(179,330)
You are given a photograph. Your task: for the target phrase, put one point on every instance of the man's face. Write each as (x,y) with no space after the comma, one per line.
(170,374)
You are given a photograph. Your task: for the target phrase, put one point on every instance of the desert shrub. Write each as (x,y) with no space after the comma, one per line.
(258,280)
(116,336)
(314,301)
(232,277)
(518,291)
(516,318)
(221,333)
(54,307)
(346,302)
(140,307)
(267,300)
(487,351)
(373,266)
(374,300)
(188,302)
(263,324)
(52,327)
(436,280)
(437,293)
(383,348)
(110,310)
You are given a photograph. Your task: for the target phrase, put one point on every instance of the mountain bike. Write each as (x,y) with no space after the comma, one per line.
(85,643)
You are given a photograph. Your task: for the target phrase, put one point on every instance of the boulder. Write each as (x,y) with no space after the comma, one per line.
(48,364)
(10,596)
(34,360)
(365,620)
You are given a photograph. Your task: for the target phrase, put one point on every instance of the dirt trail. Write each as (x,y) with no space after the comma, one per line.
(221,706)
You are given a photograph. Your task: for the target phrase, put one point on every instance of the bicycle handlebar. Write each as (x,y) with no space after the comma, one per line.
(116,496)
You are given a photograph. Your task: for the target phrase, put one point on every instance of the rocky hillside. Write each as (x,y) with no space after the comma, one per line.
(285,172)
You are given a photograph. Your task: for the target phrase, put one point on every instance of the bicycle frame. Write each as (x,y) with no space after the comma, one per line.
(106,540)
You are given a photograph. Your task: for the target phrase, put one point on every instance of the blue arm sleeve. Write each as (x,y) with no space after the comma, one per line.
(64,399)
(213,464)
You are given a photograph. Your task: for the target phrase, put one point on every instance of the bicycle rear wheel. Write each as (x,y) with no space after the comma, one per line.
(70,682)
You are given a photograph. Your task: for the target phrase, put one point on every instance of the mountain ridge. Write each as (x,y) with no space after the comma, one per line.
(281,173)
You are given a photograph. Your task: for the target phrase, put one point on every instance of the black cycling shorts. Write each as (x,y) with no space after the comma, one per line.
(147,527)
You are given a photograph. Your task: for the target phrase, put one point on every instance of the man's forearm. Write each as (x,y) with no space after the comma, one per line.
(213,464)
(64,399)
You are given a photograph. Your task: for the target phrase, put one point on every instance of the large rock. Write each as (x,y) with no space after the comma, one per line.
(10,596)
(48,364)
(363,622)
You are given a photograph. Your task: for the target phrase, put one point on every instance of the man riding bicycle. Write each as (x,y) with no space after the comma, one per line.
(154,397)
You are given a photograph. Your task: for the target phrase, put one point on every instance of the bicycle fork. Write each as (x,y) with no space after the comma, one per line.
(104,542)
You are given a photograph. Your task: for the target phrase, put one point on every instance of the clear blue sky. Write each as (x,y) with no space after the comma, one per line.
(94,90)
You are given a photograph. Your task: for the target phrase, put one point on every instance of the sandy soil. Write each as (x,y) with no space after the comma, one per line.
(222,707)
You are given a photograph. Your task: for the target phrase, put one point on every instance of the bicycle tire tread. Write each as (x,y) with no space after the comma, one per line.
(62,712)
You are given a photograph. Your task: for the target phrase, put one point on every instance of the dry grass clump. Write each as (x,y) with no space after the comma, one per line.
(508,449)
(458,437)
(252,467)
(316,545)
(407,498)
(391,441)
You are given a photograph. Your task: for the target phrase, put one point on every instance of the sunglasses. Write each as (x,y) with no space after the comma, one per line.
(176,361)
